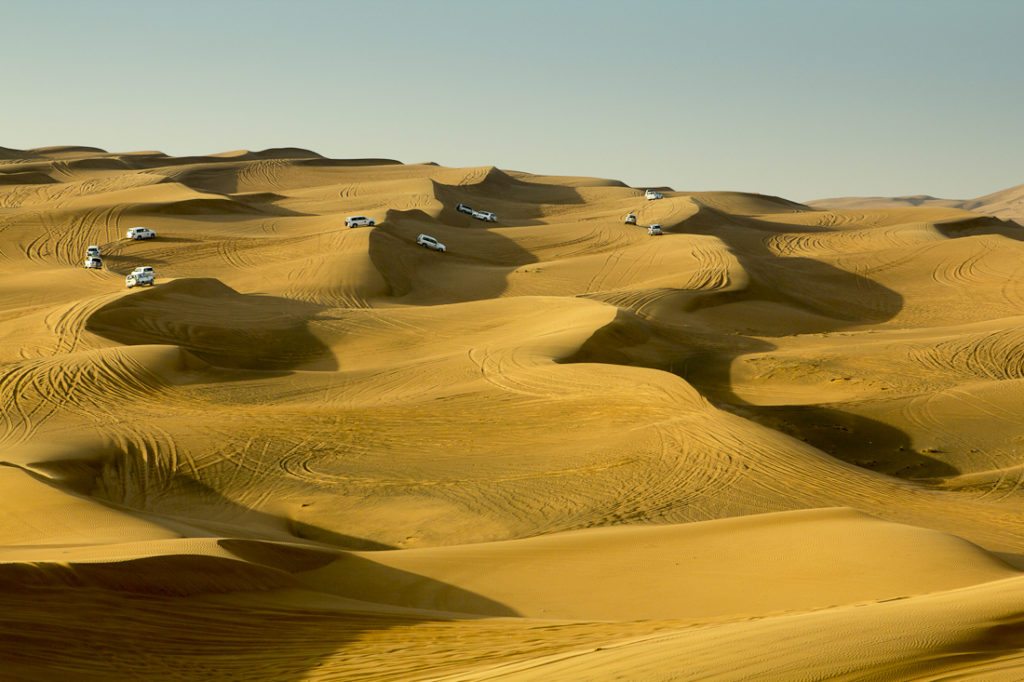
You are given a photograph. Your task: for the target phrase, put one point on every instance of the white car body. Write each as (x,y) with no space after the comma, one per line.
(139,233)
(92,250)
(485,215)
(464,208)
(654,230)
(652,195)
(359,221)
(429,242)
(630,219)
(93,263)
(139,277)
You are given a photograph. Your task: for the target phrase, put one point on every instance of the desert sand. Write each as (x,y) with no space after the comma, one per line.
(1007,204)
(779,442)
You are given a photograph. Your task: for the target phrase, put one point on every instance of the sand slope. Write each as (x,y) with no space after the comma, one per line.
(779,441)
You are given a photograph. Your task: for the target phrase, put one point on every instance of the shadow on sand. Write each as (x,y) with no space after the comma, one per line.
(728,325)
(198,616)
(218,325)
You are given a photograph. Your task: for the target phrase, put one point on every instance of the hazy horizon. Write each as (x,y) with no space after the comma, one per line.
(802,100)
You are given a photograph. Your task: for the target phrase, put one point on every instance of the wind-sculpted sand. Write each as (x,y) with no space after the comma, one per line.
(777,442)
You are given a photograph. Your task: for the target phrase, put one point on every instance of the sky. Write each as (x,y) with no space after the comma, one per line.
(802,99)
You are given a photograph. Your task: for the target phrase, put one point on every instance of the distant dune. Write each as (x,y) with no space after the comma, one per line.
(1007,204)
(777,442)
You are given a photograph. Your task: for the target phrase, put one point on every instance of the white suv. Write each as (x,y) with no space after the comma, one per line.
(464,208)
(651,195)
(485,215)
(139,233)
(654,230)
(429,242)
(140,276)
(359,221)
(93,262)
(92,250)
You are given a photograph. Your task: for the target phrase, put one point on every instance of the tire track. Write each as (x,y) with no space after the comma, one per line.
(68,322)
(962,271)
(262,175)
(998,356)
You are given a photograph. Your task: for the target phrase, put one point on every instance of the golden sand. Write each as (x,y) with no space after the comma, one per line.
(778,442)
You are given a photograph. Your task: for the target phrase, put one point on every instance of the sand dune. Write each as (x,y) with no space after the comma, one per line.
(780,441)
(720,568)
(1007,204)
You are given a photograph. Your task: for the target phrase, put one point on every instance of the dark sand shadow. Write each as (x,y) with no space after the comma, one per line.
(826,298)
(475,266)
(196,616)
(218,325)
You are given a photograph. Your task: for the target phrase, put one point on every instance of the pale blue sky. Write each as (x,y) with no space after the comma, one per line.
(799,98)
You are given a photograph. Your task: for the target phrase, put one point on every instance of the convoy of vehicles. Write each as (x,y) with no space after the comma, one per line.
(145,276)
(654,229)
(359,221)
(487,216)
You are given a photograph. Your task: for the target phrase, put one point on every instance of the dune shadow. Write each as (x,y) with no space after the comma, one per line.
(206,616)
(855,439)
(218,325)
(955,229)
(227,208)
(122,264)
(128,479)
(474,267)
(117,621)
(221,175)
(731,324)
(998,639)
(516,201)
